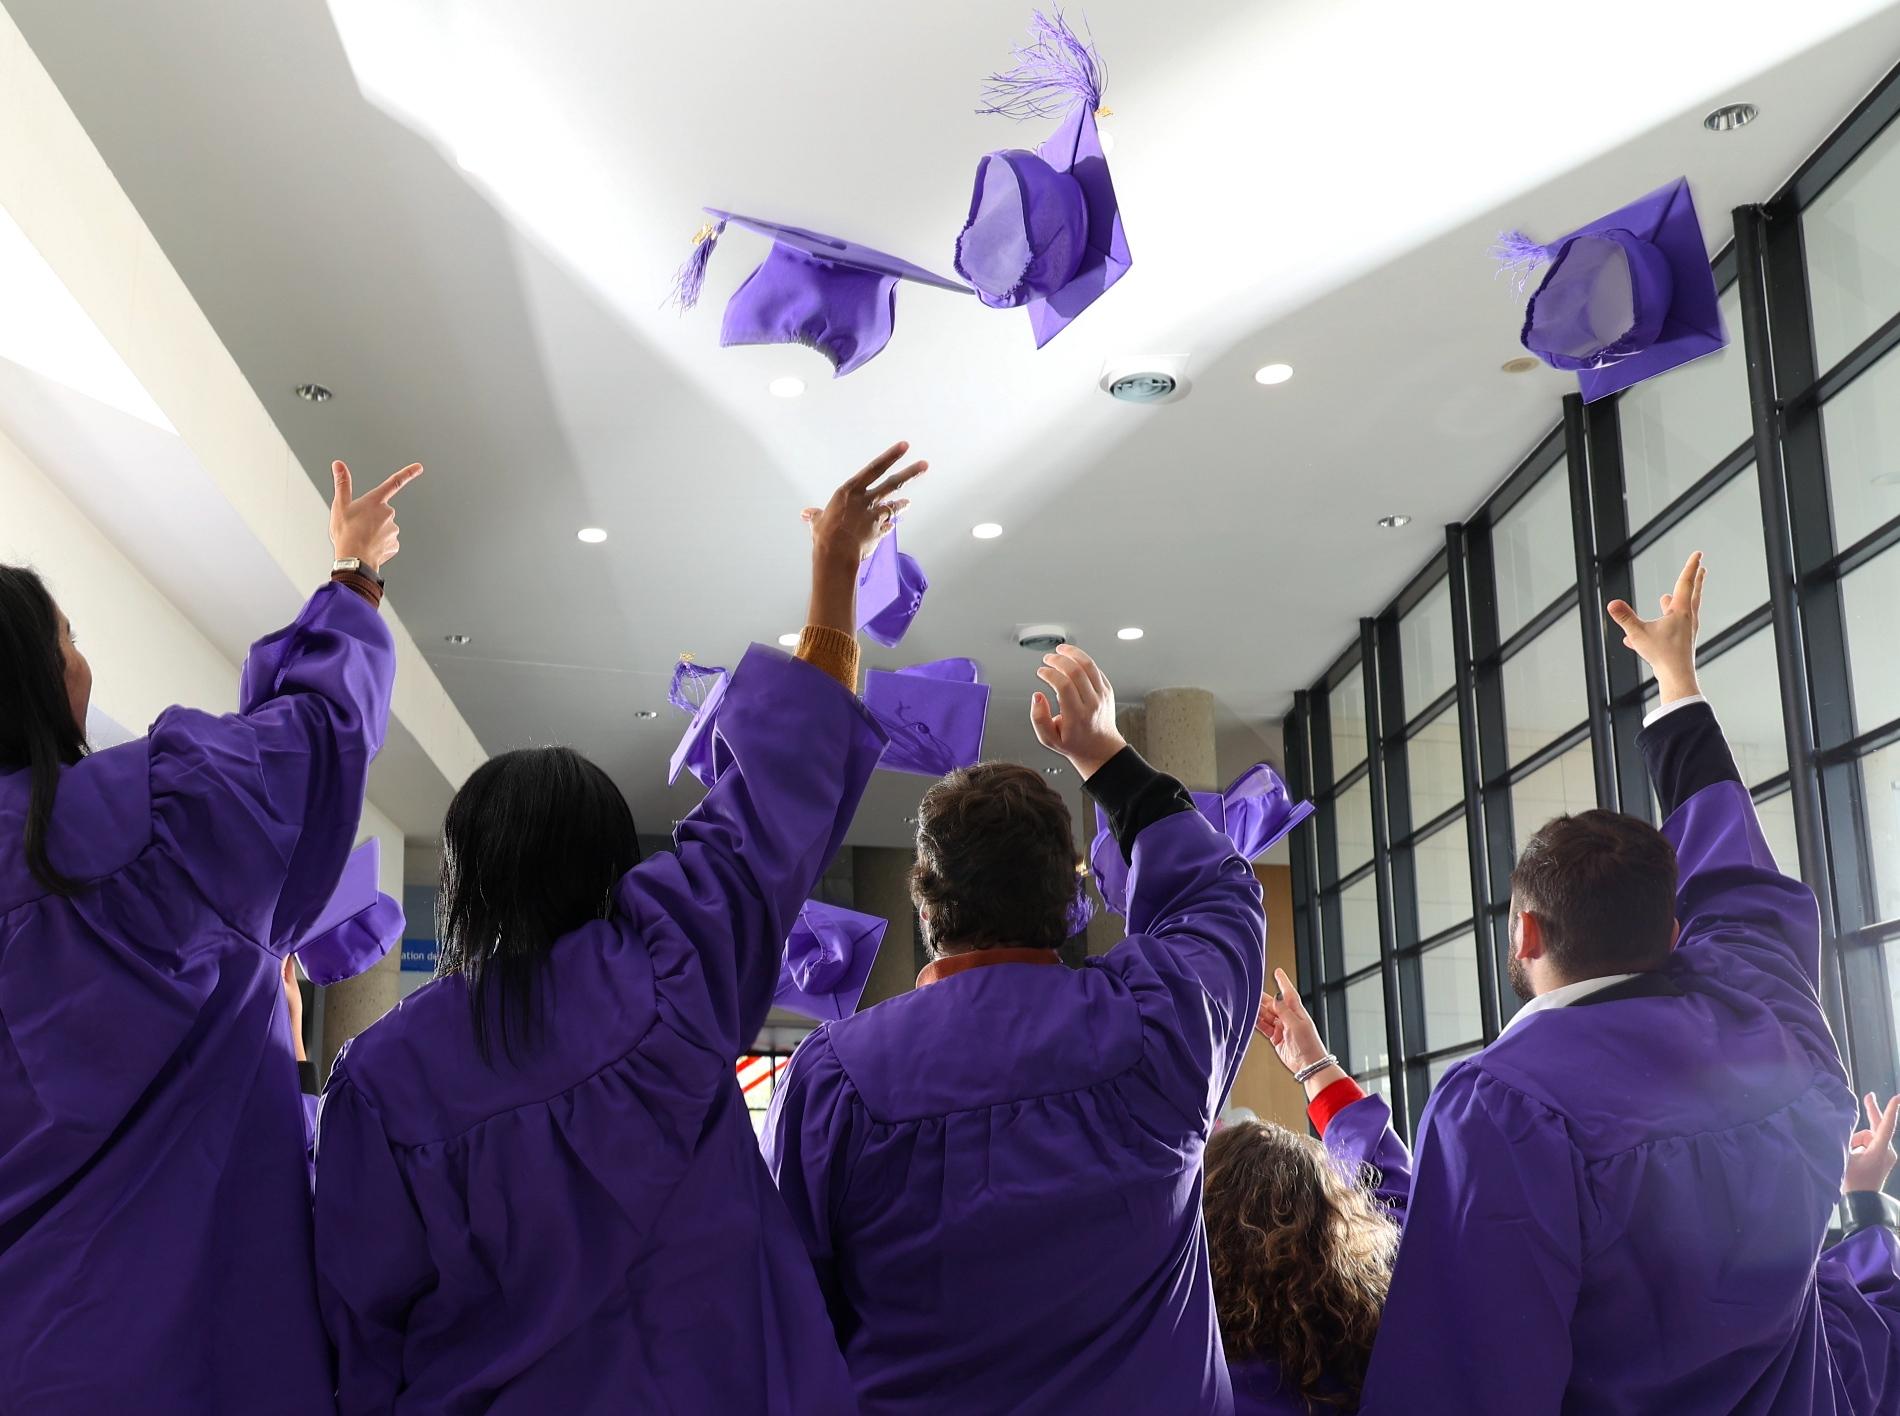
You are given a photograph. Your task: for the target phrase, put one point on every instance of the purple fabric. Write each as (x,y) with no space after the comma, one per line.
(828,959)
(1256,811)
(1361,1141)
(1627,297)
(154,1195)
(1632,1195)
(831,295)
(690,279)
(358,926)
(998,1175)
(1859,1280)
(1055,71)
(591,1228)
(933,713)
(700,749)
(1026,232)
(891,588)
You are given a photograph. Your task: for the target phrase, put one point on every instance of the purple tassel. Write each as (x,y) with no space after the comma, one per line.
(1054,72)
(690,685)
(690,278)
(1517,256)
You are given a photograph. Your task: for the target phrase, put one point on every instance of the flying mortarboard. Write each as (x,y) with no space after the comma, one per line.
(831,295)
(828,961)
(358,926)
(1255,812)
(891,589)
(1623,299)
(1044,228)
(698,691)
(933,713)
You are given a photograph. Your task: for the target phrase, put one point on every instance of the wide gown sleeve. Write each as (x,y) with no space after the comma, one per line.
(372,1254)
(802,750)
(1478,1317)
(1859,1281)
(1361,1140)
(261,806)
(1196,921)
(808,1143)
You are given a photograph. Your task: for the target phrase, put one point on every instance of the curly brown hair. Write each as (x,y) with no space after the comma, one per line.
(995,859)
(1302,1257)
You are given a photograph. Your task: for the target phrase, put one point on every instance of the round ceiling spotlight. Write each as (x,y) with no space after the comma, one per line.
(1052,771)
(1273,374)
(592,535)
(1130,633)
(1731,116)
(1522,364)
(313,393)
(786,387)
(458,640)
(1392,523)
(986,530)
(644,714)
(790,641)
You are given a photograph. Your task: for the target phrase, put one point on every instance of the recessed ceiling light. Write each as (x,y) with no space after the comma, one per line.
(790,641)
(313,393)
(593,535)
(644,713)
(1273,373)
(1129,633)
(1522,364)
(786,387)
(1053,771)
(986,530)
(1731,116)
(456,639)
(1392,523)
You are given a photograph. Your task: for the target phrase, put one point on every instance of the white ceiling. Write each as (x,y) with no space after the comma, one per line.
(462,218)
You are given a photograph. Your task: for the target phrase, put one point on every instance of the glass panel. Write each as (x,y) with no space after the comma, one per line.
(1871,599)
(758,1078)
(1352,819)
(1366,1051)
(1726,528)
(1852,235)
(1676,429)
(1435,1070)
(1359,925)
(1536,559)
(1448,975)
(1555,789)
(1742,686)
(1346,709)
(1543,688)
(1863,451)
(1425,652)
(1441,864)
(1880,778)
(1434,769)
(1777,825)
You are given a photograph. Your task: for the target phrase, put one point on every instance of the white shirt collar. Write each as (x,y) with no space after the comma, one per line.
(1565,996)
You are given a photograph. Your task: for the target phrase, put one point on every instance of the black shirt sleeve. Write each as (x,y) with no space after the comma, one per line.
(1685,752)
(307,1078)
(1135,796)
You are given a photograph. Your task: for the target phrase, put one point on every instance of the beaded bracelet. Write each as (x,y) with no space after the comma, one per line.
(1314,1069)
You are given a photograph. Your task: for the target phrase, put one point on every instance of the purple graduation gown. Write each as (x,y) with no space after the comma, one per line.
(155,1251)
(1617,1208)
(999,1175)
(1860,1309)
(591,1228)
(1361,1135)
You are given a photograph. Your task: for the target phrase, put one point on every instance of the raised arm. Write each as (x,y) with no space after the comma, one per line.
(1859,1278)
(802,749)
(261,806)
(1739,914)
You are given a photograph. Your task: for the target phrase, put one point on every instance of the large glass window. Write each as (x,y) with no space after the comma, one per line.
(1676,429)
(1870,599)
(1544,688)
(1359,925)
(1441,865)
(1425,653)
(1346,707)
(1533,551)
(1354,826)
(1448,976)
(1742,686)
(1852,236)
(1727,530)
(1863,452)
(1561,787)
(1434,767)
(1366,1052)
(1880,783)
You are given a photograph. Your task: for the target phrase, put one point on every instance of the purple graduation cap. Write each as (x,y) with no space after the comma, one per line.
(891,589)
(1044,228)
(358,926)
(827,294)
(698,691)
(1256,811)
(1623,299)
(828,961)
(933,713)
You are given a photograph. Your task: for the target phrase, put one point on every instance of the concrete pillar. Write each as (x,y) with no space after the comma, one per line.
(883,888)
(1132,720)
(1179,732)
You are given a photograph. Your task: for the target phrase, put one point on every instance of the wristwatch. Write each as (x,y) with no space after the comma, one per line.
(352,563)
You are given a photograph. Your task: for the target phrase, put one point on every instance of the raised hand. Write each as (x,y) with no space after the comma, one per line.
(1870,1153)
(365,527)
(1667,643)
(1084,730)
(849,525)
(1285,1023)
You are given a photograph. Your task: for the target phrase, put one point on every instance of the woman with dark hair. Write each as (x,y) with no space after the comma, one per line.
(538,1186)
(1302,1236)
(154,1195)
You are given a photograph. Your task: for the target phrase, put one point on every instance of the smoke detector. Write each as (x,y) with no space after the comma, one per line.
(1042,638)
(1146,378)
